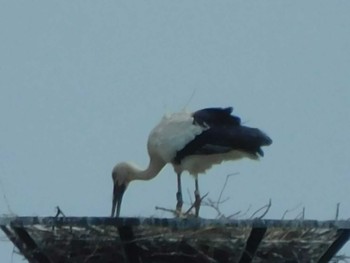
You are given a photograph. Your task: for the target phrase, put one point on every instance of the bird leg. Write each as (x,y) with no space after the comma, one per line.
(179,195)
(198,200)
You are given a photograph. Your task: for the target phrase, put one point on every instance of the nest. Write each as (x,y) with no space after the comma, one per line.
(152,240)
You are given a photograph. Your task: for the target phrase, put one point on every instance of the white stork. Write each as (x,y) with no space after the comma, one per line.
(191,142)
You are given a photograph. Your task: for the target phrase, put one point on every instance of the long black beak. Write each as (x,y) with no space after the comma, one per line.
(118,192)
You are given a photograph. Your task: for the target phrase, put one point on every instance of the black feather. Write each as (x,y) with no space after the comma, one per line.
(215,117)
(224,134)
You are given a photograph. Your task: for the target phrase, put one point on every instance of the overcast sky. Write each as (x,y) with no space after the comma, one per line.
(83,82)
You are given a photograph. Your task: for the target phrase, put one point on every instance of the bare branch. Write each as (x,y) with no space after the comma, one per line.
(59,212)
(240,212)
(192,206)
(337,211)
(247,211)
(2,188)
(224,186)
(213,204)
(166,210)
(233,215)
(290,210)
(175,213)
(216,204)
(189,195)
(92,254)
(266,207)
(301,215)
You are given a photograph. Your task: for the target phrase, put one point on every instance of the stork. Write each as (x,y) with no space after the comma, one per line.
(191,142)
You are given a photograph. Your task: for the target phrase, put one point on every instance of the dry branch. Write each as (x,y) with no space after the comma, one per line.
(266,207)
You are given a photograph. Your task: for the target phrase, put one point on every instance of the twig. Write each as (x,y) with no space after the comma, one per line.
(166,210)
(337,211)
(189,195)
(189,210)
(248,209)
(191,97)
(175,212)
(92,254)
(240,212)
(233,215)
(5,198)
(59,212)
(224,186)
(301,215)
(290,210)
(215,206)
(266,207)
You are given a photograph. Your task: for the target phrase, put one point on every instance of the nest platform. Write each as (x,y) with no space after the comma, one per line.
(161,240)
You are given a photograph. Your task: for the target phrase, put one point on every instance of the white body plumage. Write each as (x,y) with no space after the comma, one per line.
(171,134)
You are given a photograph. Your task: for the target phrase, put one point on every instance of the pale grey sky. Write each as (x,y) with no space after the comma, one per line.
(83,82)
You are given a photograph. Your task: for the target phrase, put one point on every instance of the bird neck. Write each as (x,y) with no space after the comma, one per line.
(154,167)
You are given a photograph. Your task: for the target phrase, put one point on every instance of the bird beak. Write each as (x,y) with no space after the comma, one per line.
(118,192)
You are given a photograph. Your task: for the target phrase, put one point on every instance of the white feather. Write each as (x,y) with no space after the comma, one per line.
(197,164)
(172,133)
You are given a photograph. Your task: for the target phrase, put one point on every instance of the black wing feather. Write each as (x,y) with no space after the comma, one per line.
(224,134)
(215,116)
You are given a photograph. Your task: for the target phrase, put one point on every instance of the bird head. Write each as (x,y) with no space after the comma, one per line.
(121,175)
